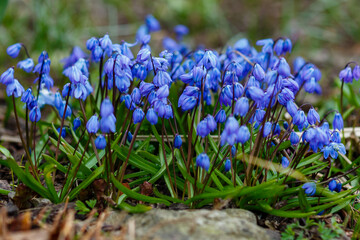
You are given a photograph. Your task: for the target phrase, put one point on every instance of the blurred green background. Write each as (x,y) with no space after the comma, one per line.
(326,32)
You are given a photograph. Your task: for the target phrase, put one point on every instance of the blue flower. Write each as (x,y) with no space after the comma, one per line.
(267,45)
(202,129)
(313,116)
(241,107)
(356,72)
(106,108)
(259,72)
(106,44)
(209,59)
(177,141)
(15,89)
(335,137)
(76,123)
(283,68)
(299,119)
(187,103)
(27,96)
(181,30)
(107,124)
(129,137)
(333,149)
(291,108)
(284,162)
(138,115)
(310,188)
(93,124)
(35,114)
(346,75)
(7,77)
(203,161)
(162,78)
(152,23)
(100,142)
(97,53)
(230,133)
(151,116)
(146,88)
(298,63)
(75,55)
(338,122)
(168,112)
(243,135)
(220,117)
(63,132)
(14,50)
(143,55)
(332,185)
(74,74)
(92,43)
(286,125)
(163,92)
(62,110)
(256,94)
(285,96)
(294,138)
(233,151)
(26,65)
(267,129)
(211,123)
(227,165)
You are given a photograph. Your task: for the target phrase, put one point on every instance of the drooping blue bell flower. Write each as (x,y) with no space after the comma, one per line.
(14,88)
(267,129)
(76,123)
(107,124)
(220,117)
(332,185)
(7,77)
(227,165)
(14,50)
(229,135)
(106,108)
(129,137)
(151,116)
(35,114)
(338,187)
(346,75)
(177,141)
(310,188)
(294,138)
(100,142)
(313,116)
(203,161)
(211,123)
(181,30)
(152,23)
(63,132)
(138,115)
(26,65)
(202,129)
(259,72)
(93,124)
(92,43)
(338,122)
(106,44)
(243,135)
(27,96)
(284,162)
(356,72)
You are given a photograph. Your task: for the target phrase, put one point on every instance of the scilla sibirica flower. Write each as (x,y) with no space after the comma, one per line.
(227,165)
(313,116)
(203,161)
(346,75)
(76,123)
(285,162)
(338,122)
(177,141)
(14,50)
(332,185)
(26,65)
(230,132)
(294,138)
(35,114)
(100,142)
(138,115)
(93,124)
(7,77)
(310,188)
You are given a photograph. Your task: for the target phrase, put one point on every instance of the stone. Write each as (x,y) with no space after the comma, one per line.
(190,224)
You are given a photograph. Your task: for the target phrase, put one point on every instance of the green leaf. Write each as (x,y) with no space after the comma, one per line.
(135,195)
(304,205)
(49,168)
(139,208)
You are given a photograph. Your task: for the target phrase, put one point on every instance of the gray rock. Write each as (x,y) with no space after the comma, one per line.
(190,224)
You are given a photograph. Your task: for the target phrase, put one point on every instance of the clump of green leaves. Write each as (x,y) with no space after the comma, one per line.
(85,208)
(313,230)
